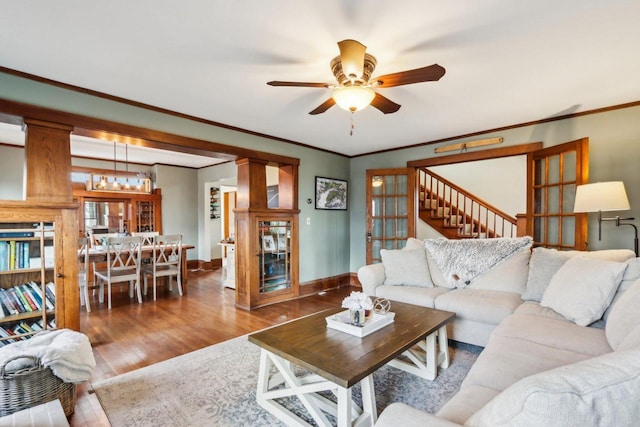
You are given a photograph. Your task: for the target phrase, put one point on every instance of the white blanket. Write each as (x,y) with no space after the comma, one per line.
(461,261)
(66,352)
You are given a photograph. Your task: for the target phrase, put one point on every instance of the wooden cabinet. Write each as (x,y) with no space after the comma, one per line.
(39,251)
(267,264)
(140,212)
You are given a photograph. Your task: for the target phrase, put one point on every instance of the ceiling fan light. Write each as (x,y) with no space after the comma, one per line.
(353,98)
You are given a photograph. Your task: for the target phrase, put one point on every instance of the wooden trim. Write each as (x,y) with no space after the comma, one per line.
(154,108)
(324,284)
(135,135)
(495,153)
(354,281)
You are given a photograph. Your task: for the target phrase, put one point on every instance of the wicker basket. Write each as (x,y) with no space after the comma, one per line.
(32,386)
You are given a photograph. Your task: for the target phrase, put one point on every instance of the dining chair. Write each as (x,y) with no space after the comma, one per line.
(123,266)
(147,236)
(83,271)
(166,261)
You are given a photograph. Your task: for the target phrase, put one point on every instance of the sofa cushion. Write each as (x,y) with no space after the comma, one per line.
(624,316)
(582,289)
(631,274)
(535,309)
(510,275)
(401,414)
(405,267)
(601,391)
(465,403)
(546,262)
(411,294)
(462,261)
(479,305)
(631,341)
(566,335)
(506,360)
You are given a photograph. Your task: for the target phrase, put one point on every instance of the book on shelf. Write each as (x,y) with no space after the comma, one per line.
(50,290)
(23,299)
(12,254)
(36,293)
(7,303)
(11,292)
(4,255)
(28,295)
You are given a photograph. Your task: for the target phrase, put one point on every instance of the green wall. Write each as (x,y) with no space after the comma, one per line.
(614,146)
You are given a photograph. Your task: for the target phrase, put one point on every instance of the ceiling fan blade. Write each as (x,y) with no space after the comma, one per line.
(352,58)
(323,107)
(385,105)
(298,84)
(430,73)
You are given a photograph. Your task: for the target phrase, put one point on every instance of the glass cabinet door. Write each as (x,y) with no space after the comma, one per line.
(274,255)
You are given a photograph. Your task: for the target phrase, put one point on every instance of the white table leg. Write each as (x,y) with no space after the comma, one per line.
(425,364)
(305,388)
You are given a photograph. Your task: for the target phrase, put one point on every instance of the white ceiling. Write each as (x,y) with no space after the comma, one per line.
(507,62)
(82,146)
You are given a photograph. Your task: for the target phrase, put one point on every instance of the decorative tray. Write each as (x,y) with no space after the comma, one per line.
(341,322)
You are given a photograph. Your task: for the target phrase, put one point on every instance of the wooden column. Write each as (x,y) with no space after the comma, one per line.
(252,184)
(47,161)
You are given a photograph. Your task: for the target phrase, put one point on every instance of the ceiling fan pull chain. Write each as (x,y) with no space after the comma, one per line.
(353,125)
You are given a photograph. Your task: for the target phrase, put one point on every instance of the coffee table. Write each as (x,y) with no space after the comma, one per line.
(336,361)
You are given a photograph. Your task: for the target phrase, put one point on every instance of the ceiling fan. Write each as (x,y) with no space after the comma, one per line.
(355,89)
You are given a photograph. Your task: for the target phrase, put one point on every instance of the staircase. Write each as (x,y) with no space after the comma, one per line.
(458,214)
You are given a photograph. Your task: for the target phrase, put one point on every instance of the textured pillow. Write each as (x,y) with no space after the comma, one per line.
(546,262)
(624,316)
(583,288)
(510,275)
(543,265)
(406,267)
(602,391)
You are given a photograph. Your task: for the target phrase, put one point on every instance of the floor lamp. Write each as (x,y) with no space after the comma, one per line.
(605,196)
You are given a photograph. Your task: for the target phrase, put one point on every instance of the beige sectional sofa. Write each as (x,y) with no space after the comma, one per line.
(562,339)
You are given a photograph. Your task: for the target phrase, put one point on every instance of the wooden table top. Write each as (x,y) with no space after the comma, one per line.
(345,359)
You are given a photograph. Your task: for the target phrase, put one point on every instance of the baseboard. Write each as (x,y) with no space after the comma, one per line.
(204,265)
(325,284)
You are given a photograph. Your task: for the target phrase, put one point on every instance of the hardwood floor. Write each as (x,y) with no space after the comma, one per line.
(131,335)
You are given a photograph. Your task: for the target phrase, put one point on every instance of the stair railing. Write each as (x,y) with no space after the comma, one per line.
(473,217)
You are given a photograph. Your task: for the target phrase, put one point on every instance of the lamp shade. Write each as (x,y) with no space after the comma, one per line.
(353,98)
(601,196)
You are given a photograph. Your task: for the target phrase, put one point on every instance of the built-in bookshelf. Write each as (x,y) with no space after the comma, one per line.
(35,264)
(214,203)
(27,295)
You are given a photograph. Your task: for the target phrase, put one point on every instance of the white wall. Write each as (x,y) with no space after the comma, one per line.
(12,169)
(179,203)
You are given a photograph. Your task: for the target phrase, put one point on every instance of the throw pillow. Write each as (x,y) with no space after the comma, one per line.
(600,391)
(583,288)
(413,244)
(543,265)
(546,262)
(509,275)
(624,316)
(406,267)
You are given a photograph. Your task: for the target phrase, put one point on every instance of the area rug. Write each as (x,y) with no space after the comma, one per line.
(216,386)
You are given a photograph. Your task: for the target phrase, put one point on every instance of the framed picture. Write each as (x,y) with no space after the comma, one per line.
(331,193)
(268,244)
(282,243)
